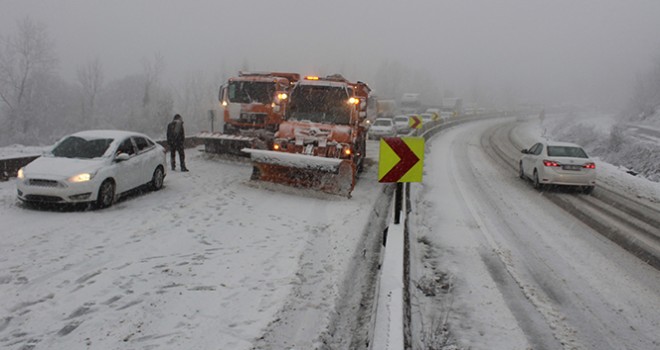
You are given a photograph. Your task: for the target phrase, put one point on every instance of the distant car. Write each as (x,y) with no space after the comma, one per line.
(558,163)
(93,166)
(446,115)
(402,124)
(428,117)
(382,127)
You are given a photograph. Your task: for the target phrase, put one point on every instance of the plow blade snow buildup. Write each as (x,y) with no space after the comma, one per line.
(329,175)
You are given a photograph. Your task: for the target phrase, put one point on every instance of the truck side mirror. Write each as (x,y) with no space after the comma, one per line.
(222,95)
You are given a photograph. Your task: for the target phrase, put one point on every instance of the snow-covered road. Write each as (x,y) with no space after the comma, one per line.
(214,261)
(498,266)
(209,262)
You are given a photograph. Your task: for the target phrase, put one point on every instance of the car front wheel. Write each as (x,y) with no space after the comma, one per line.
(521,172)
(106,194)
(157,178)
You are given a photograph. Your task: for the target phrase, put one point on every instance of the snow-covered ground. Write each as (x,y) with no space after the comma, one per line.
(209,262)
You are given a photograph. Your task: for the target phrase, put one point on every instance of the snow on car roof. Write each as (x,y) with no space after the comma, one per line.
(113,134)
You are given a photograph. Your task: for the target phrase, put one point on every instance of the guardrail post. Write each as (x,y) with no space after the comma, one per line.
(398,202)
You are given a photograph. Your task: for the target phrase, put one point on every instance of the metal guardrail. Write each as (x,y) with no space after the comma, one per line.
(9,167)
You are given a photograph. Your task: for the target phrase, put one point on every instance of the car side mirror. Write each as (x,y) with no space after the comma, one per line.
(122,157)
(525,151)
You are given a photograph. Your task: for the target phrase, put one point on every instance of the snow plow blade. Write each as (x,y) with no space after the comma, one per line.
(220,143)
(329,175)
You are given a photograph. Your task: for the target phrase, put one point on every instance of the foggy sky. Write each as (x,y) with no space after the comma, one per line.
(549,50)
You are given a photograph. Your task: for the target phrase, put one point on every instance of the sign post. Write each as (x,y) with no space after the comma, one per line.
(401,160)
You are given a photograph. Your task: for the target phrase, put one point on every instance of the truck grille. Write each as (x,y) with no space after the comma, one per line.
(253,118)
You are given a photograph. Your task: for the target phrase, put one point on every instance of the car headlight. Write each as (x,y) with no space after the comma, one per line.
(20,174)
(82,177)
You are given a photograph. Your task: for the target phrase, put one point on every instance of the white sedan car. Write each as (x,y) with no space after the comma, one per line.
(402,124)
(382,127)
(93,166)
(558,163)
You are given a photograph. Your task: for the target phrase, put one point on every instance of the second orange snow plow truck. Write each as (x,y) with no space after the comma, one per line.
(253,105)
(321,144)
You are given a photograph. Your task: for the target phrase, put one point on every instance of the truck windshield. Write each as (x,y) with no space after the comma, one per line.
(320,104)
(251,92)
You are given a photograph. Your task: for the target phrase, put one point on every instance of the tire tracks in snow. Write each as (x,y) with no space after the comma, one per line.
(522,299)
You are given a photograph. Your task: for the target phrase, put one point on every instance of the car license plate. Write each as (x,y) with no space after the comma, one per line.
(572,167)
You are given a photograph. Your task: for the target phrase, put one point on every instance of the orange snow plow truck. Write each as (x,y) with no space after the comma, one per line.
(253,105)
(322,141)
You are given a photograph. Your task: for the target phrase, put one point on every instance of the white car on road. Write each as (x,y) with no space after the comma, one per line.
(558,163)
(402,124)
(93,166)
(382,127)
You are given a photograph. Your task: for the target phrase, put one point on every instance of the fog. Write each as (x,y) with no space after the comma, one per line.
(559,51)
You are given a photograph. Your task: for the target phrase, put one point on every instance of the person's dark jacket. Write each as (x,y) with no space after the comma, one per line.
(175,133)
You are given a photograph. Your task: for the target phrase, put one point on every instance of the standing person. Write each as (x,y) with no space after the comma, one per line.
(175,138)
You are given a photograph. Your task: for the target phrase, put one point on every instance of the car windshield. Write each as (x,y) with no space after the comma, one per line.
(78,147)
(566,151)
(383,122)
(401,120)
(321,104)
(250,92)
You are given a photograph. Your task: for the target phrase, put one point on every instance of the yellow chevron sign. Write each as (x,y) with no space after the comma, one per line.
(401,159)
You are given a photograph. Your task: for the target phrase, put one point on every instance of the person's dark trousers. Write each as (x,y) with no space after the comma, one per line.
(182,157)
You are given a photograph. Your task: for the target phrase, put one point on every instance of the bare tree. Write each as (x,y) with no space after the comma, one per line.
(157,102)
(90,78)
(195,96)
(152,72)
(26,55)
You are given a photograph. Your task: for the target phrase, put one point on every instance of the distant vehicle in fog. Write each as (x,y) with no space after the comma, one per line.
(386,108)
(558,163)
(402,124)
(382,127)
(410,103)
(429,117)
